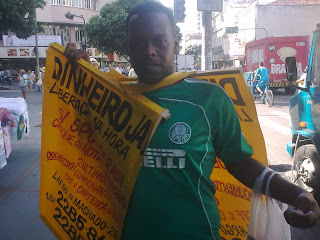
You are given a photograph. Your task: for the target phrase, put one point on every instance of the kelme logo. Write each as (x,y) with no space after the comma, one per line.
(180,133)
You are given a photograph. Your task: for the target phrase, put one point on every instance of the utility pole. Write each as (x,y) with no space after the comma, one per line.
(206,60)
(37,47)
(207,7)
(185,52)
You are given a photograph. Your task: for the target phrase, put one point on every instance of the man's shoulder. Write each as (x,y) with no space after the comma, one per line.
(204,86)
(201,82)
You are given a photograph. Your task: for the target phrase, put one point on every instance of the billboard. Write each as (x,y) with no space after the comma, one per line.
(43,40)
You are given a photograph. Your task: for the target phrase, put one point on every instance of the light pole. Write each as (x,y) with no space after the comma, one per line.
(37,47)
(71,16)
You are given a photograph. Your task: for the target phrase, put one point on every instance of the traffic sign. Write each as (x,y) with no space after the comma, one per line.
(210,5)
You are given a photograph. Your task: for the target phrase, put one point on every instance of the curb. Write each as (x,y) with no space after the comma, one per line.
(10,91)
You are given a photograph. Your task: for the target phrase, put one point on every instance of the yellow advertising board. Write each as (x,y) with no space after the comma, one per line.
(93,138)
(95,129)
(233,198)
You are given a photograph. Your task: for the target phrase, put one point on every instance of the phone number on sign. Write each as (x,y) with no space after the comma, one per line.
(77,222)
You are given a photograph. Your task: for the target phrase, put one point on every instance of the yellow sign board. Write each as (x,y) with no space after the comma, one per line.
(93,138)
(233,198)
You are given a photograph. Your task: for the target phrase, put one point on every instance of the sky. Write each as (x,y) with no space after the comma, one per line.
(190,24)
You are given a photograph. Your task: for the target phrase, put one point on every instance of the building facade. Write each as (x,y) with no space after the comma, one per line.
(259,19)
(19,53)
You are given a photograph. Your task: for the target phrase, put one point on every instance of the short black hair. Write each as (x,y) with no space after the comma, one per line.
(261,64)
(152,7)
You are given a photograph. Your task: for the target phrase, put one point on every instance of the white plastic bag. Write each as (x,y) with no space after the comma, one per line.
(266,220)
(39,82)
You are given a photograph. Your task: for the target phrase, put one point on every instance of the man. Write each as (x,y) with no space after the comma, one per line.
(301,81)
(33,80)
(177,201)
(263,74)
(119,69)
(132,73)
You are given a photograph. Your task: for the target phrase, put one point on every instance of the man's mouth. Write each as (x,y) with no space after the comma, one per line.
(151,66)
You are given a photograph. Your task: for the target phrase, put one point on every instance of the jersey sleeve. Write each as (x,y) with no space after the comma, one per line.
(228,140)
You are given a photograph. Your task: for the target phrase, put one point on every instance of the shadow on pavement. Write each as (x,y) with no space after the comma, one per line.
(281,167)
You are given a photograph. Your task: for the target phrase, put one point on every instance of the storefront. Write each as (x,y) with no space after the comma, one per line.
(19,53)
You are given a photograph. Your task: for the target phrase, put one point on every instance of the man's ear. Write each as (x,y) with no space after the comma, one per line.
(176,45)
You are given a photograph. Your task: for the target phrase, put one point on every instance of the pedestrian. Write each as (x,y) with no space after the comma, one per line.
(30,82)
(8,73)
(177,202)
(126,70)
(94,62)
(23,80)
(33,80)
(132,73)
(119,69)
(264,74)
(302,80)
(106,69)
(14,73)
(40,79)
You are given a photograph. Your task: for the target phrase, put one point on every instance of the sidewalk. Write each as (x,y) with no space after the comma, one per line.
(20,179)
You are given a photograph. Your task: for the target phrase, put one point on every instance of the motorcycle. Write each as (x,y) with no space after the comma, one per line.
(4,80)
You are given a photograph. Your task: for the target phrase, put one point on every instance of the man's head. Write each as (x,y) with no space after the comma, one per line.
(151,41)
(261,64)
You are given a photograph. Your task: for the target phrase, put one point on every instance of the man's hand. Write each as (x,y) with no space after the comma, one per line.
(73,54)
(306,211)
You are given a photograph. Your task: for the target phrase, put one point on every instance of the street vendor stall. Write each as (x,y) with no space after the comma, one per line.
(14,123)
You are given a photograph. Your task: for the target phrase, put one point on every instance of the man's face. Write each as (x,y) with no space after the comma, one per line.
(151,46)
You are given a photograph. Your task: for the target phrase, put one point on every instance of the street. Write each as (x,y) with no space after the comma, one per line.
(275,125)
(19,180)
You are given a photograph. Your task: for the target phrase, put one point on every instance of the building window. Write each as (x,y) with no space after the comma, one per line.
(79,34)
(55,2)
(87,4)
(65,35)
(94,5)
(77,3)
(67,2)
(52,31)
(90,4)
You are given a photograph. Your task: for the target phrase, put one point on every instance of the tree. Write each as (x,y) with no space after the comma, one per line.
(107,32)
(194,50)
(19,16)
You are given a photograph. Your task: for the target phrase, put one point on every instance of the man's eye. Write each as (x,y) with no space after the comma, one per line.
(161,41)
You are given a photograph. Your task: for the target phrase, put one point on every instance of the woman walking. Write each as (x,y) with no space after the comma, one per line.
(23,79)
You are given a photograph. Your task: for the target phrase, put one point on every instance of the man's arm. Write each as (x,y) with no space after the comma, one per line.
(247,171)
(255,76)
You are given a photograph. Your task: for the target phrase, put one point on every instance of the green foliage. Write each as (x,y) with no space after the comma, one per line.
(107,32)
(194,50)
(178,33)
(19,16)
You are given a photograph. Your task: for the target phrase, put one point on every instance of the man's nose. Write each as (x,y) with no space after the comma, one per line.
(151,50)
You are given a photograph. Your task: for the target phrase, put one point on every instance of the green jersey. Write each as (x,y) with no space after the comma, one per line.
(174,197)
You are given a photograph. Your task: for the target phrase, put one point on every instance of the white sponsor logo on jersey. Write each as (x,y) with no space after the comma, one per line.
(164,158)
(180,133)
